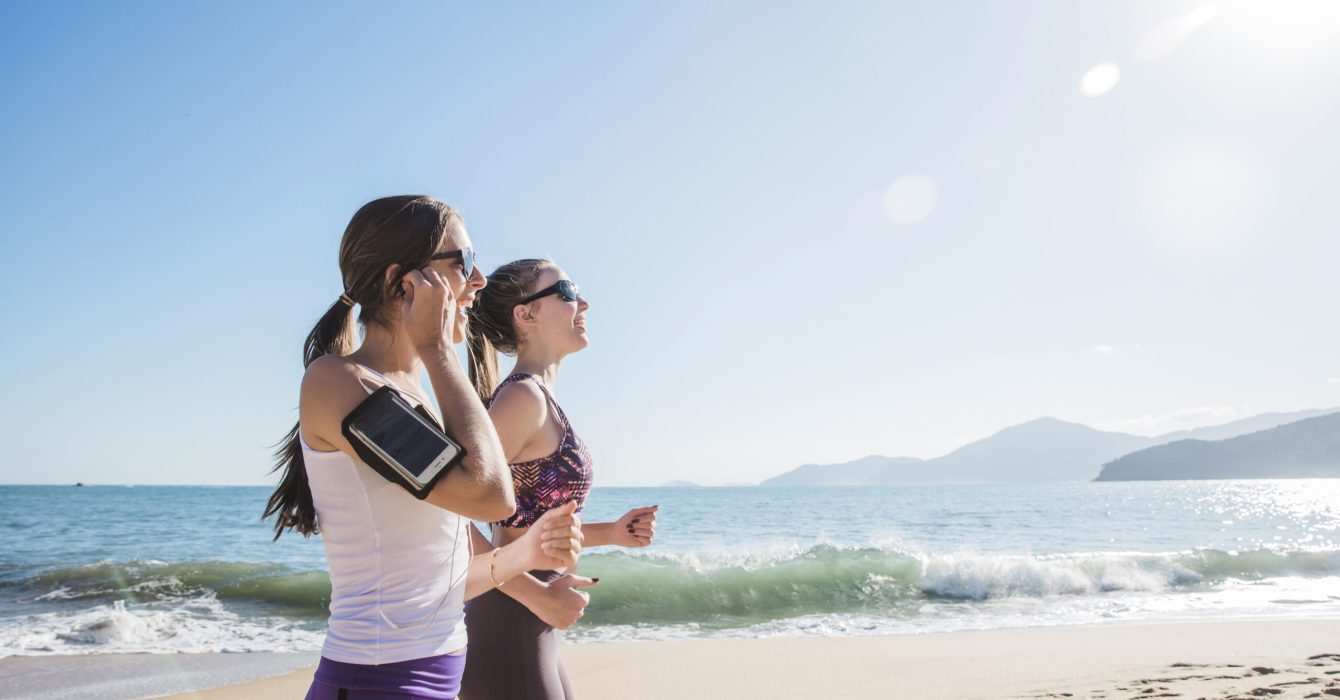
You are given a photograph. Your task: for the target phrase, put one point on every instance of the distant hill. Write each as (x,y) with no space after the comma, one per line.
(1245,426)
(1307,448)
(866,470)
(1045,449)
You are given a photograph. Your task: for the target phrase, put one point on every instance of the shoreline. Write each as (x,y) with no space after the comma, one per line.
(1277,658)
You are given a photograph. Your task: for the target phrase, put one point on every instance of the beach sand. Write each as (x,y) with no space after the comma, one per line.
(1240,659)
(103,676)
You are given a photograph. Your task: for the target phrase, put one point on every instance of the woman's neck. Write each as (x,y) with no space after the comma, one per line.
(389,352)
(539,362)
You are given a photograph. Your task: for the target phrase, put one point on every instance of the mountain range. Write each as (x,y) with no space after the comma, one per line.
(1045,449)
(1303,449)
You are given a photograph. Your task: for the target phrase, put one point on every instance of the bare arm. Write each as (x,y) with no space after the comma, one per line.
(558,603)
(599,534)
(524,588)
(555,541)
(637,528)
(480,487)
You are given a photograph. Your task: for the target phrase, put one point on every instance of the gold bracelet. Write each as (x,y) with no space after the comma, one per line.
(493,558)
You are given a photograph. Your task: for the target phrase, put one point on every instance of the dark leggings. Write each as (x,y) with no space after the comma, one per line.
(513,654)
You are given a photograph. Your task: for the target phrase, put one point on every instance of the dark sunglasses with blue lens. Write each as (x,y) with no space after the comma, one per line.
(465,255)
(566,289)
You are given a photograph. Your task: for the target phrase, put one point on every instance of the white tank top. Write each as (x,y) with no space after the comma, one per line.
(397,564)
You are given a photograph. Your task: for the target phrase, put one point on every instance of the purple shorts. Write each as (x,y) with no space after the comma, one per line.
(430,678)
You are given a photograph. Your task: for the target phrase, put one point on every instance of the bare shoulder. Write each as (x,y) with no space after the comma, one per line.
(524,398)
(329,366)
(331,375)
(331,388)
(518,411)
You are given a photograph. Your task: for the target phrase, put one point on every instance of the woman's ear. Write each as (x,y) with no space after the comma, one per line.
(522,316)
(392,277)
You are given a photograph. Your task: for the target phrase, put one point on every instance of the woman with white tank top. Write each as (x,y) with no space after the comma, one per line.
(401,568)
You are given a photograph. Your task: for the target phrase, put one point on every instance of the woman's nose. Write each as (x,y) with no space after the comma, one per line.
(582,303)
(477,278)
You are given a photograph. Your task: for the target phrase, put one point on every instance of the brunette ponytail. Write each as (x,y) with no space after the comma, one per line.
(483,363)
(291,503)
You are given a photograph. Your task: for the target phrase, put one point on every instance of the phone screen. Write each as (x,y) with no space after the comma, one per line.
(402,434)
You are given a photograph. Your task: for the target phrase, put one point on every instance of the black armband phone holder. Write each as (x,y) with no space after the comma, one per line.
(403,443)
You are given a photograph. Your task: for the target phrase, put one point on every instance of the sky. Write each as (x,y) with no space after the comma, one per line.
(808,233)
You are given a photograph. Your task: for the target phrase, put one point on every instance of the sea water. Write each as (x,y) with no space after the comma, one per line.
(193,569)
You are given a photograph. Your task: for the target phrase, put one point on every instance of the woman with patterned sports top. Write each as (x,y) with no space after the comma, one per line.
(530,309)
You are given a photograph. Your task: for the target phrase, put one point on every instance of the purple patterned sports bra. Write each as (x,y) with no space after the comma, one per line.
(549,482)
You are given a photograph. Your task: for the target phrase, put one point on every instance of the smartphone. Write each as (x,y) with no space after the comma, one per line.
(401,442)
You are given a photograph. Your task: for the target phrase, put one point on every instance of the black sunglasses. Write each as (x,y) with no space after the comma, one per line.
(465,255)
(567,289)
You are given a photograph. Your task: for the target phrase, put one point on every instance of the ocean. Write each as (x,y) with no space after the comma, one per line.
(168,569)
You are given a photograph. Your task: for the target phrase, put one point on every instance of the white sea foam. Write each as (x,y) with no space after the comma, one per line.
(979,577)
(831,590)
(1286,598)
(197,625)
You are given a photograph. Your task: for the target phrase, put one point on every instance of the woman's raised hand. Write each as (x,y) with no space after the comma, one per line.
(637,527)
(555,540)
(428,308)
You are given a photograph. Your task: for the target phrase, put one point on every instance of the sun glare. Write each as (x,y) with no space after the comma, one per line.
(1300,25)
(1167,36)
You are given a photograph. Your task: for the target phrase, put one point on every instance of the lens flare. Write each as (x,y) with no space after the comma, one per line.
(910,199)
(1100,80)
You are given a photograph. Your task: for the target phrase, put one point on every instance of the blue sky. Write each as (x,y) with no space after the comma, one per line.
(807,233)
